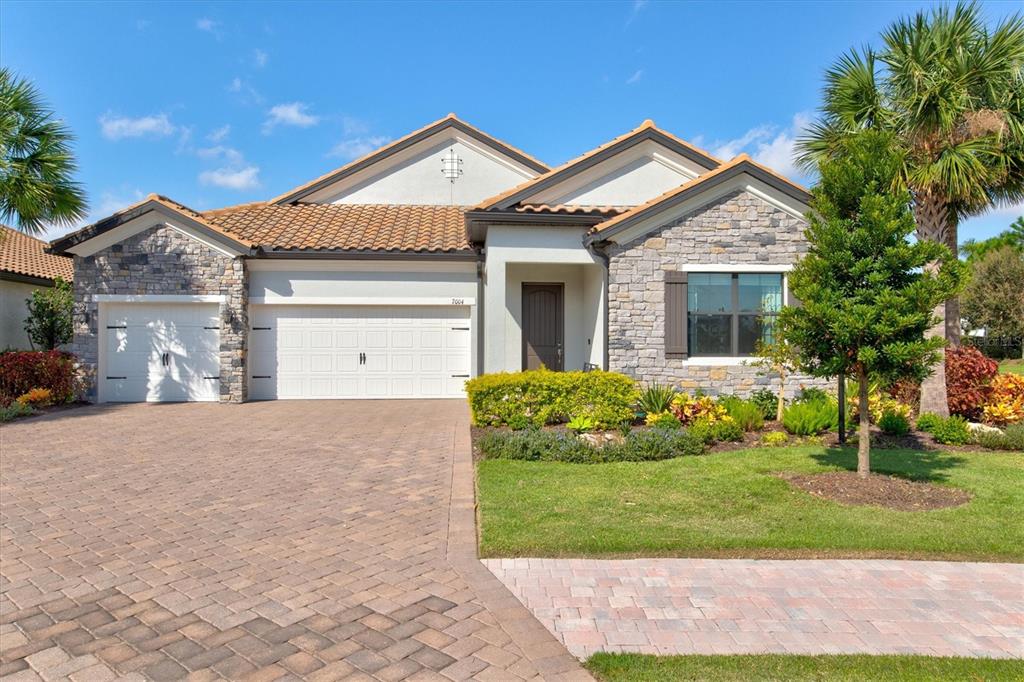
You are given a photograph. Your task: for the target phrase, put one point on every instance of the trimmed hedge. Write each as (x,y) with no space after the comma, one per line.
(538,445)
(22,371)
(538,397)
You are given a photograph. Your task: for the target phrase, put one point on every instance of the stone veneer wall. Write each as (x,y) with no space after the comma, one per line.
(162,260)
(738,228)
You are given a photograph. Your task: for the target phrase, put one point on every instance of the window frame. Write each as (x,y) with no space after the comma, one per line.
(734,315)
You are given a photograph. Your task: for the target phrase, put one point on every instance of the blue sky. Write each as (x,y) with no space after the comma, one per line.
(215,104)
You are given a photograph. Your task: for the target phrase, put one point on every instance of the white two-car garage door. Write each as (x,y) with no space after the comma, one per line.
(160,352)
(358,351)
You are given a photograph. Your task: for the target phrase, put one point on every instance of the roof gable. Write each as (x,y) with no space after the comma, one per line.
(408,170)
(742,171)
(625,171)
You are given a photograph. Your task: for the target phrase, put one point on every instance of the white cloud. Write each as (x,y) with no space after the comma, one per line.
(637,7)
(219,134)
(232,178)
(208,25)
(769,144)
(246,93)
(637,75)
(291,114)
(259,58)
(355,147)
(119,127)
(351,126)
(221,153)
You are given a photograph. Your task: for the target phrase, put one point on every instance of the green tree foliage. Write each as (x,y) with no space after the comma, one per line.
(994,297)
(867,298)
(949,89)
(1014,238)
(48,324)
(36,162)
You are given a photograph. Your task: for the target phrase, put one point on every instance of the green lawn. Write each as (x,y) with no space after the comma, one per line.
(732,504)
(635,667)
(1012,366)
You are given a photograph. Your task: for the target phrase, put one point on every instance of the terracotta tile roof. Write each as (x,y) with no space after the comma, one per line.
(24,255)
(642,128)
(447,121)
(346,227)
(741,160)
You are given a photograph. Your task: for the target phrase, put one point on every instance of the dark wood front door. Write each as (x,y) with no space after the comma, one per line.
(542,326)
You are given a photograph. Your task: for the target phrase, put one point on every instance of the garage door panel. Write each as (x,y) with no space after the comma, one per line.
(404,350)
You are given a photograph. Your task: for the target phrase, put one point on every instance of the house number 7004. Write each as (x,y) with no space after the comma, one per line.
(458,301)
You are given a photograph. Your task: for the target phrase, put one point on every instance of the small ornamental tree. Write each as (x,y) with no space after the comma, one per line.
(778,357)
(48,324)
(867,297)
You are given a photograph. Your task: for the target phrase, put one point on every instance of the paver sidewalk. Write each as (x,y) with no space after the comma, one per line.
(317,540)
(709,606)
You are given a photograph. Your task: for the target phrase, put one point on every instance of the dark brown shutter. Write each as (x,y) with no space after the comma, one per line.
(675,314)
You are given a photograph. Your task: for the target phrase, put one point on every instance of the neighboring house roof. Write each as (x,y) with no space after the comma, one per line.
(645,131)
(26,257)
(347,227)
(449,121)
(739,165)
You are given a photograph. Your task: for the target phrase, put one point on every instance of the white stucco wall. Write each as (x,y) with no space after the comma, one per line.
(13,313)
(414,176)
(543,255)
(628,179)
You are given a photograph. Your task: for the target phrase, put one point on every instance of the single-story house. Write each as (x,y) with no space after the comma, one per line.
(25,266)
(443,255)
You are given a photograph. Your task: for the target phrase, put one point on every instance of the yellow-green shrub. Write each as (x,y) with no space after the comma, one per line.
(541,396)
(690,409)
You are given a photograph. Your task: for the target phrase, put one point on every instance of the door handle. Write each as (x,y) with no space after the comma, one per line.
(362,358)
(165,359)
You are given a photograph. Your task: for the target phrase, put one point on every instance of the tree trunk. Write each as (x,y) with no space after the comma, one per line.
(864,433)
(952,316)
(932,217)
(782,395)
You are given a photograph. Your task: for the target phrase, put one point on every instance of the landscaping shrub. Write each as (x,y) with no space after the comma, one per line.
(894,424)
(767,400)
(968,373)
(14,410)
(720,430)
(541,396)
(22,371)
(548,446)
(812,394)
(1011,439)
(928,421)
(744,412)
(656,398)
(952,431)
(37,397)
(663,420)
(690,409)
(807,418)
(774,439)
(1005,401)
(581,424)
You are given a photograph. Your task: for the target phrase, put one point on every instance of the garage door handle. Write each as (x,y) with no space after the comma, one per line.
(261,329)
(117,377)
(211,377)
(460,329)
(460,376)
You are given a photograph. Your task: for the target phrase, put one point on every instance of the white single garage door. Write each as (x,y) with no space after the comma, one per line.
(160,352)
(358,351)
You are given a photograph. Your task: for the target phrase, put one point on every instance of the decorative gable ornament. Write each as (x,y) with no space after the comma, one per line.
(451,165)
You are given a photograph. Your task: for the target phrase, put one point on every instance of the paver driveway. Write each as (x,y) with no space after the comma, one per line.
(320,540)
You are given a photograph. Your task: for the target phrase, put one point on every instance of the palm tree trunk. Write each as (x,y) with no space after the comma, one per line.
(952,317)
(864,433)
(932,218)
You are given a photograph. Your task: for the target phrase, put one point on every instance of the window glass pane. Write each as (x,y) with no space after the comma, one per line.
(709,293)
(760,293)
(754,328)
(709,334)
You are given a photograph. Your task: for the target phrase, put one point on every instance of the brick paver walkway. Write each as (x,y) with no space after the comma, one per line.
(707,606)
(317,540)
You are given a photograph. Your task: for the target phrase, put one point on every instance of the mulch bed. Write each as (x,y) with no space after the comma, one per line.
(846,487)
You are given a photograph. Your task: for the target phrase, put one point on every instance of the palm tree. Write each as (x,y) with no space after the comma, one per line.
(36,163)
(951,92)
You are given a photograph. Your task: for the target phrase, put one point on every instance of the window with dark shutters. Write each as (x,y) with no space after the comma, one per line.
(675,314)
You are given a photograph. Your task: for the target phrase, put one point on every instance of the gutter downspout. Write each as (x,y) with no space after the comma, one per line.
(480,258)
(605,260)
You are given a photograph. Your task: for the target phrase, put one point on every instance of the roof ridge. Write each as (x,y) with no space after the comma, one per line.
(451,117)
(647,124)
(19,233)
